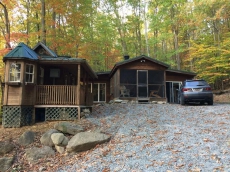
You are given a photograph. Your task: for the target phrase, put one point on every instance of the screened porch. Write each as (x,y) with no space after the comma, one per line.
(141,84)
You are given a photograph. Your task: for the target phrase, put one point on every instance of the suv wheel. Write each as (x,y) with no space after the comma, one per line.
(210,102)
(182,101)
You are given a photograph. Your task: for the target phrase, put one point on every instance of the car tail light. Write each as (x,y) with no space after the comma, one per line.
(208,88)
(186,89)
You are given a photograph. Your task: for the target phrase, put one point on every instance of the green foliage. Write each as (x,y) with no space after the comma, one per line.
(191,35)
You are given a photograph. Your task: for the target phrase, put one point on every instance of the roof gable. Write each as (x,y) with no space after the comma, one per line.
(44,51)
(21,51)
(142,57)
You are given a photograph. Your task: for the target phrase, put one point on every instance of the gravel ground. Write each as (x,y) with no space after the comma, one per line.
(161,138)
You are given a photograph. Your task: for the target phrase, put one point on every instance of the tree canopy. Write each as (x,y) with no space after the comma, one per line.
(187,34)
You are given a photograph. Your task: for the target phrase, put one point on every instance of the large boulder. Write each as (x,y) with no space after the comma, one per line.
(35,153)
(5,147)
(6,163)
(68,128)
(46,137)
(59,139)
(86,140)
(26,138)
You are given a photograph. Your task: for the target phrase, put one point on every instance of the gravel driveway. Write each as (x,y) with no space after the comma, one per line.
(161,138)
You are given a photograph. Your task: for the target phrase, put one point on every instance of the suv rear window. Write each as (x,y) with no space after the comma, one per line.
(195,83)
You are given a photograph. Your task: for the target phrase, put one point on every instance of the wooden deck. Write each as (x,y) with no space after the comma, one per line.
(56,95)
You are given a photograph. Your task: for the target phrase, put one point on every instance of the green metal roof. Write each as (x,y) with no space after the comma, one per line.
(22,51)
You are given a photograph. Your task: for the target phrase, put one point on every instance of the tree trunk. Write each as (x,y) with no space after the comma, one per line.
(6,30)
(43,22)
(28,21)
(146,30)
(54,30)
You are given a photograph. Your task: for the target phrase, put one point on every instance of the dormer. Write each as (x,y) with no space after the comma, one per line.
(43,51)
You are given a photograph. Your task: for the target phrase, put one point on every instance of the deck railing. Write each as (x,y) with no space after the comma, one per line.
(56,95)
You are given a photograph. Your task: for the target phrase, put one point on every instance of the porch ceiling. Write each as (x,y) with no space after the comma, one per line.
(70,63)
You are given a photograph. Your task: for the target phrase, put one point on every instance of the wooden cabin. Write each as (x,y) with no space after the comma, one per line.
(143,79)
(40,84)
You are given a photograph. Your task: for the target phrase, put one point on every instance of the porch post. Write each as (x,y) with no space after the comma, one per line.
(79,90)
(165,86)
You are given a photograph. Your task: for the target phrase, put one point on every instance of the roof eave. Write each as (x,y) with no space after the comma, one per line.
(18,58)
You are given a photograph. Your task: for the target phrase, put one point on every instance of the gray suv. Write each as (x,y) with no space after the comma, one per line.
(195,91)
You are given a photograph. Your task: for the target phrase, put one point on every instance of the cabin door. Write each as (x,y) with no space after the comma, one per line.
(172,89)
(142,83)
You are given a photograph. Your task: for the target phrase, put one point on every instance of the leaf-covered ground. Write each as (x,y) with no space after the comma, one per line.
(156,137)
(144,138)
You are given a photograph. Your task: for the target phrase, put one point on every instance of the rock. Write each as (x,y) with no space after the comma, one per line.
(117,101)
(26,138)
(69,128)
(161,102)
(35,153)
(46,138)
(86,113)
(5,147)
(41,169)
(6,163)
(59,139)
(111,101)
(60,149)
(86,140)
(124,101)
(154,102)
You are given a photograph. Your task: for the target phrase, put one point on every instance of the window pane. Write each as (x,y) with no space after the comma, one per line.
(95,92)
(18,77)
(11,77)
(29,73)
(27,68)
(102,92)
(18,67)
(31,69)
(29,78)
(14,72)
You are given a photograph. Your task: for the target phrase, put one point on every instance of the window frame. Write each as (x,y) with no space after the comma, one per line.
(98,92)
(16,72)
(31,75)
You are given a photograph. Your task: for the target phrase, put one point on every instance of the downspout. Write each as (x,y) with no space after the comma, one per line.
(79,90)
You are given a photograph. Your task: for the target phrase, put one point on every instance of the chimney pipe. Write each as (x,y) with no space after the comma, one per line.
(126,57)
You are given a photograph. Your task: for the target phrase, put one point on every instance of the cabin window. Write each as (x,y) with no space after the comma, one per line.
(29,73)
(15,72)
(99,92)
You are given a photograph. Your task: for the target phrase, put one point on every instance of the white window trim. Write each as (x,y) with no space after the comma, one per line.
(98,93)
(16,72)
(27,73)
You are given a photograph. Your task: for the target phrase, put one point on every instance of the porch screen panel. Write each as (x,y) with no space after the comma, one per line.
(156,77)
(128,78)
(156,83)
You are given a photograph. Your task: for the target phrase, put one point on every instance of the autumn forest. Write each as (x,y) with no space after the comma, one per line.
(190,35)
